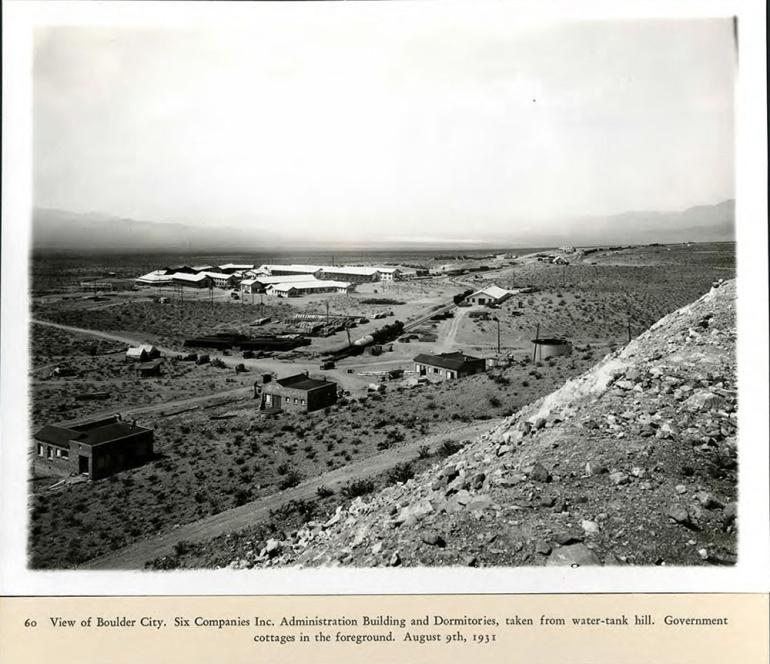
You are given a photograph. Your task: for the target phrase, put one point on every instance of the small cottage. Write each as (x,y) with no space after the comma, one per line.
(142,353)
(299,393)
(448,366)
(97,448)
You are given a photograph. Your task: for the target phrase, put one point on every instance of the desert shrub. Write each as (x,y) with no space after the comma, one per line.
(494,401)
(291,479)
(423,452)
(395,436)
(449,447)
(402,472)
(182,547)
(358,488)
(241,496)
(324,492)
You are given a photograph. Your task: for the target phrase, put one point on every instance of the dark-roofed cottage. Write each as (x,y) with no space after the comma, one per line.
(447,366)
(97,448)
(299,393)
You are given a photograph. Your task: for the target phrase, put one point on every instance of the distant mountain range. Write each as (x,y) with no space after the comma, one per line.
(702,223)
(72,232)
(63,231)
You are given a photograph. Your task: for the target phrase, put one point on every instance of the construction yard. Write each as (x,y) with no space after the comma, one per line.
(216,451)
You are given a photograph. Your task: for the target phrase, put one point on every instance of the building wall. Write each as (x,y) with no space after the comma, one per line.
(344,276)
(225,281)
(278,272)
(434,373)
(100,460)
(53,458)
(439,373)
(113,457)
(299,400)
(203,283)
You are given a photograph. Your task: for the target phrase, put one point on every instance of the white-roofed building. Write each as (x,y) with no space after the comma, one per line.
(191,280)
(236,267)
(492,294)
(278,270)
(389,273)
(250,286)
(154,278)
(142,353)
(222,280)
(258,284)
(310,287)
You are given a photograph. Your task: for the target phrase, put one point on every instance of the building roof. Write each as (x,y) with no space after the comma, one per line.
(299,269)
(152,364)
(303,382)
(283,288)
(454,361)
(109,432)
(310,284)
(88,433)
(56,435)
(237,266)
(137,350)
(202,268)
(218,275)
(493,290)
(286,278)
(183,276)
(154,277)
(346,269)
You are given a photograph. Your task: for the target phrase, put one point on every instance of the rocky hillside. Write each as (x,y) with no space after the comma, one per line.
(633,462)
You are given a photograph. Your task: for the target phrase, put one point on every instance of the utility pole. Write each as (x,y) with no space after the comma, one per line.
(498,335)
(327,312)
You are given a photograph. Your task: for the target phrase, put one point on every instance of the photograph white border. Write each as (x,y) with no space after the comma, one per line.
(752,572)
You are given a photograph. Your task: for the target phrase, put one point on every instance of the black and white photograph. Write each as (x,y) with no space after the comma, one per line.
(407,290)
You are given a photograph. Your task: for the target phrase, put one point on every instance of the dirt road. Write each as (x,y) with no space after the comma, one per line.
(348,381)
(232,520)
(448,342)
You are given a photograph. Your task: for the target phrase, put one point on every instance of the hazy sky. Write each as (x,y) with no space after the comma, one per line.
(365,125)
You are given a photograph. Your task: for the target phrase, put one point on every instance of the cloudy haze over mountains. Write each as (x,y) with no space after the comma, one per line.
(58,230)
(359,126)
